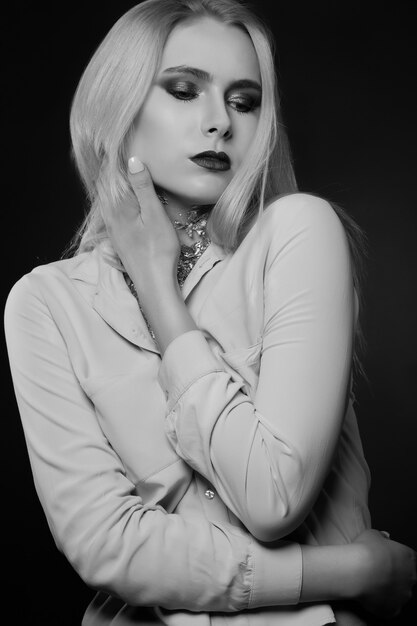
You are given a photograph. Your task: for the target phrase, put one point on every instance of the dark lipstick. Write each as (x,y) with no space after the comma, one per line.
(218,161)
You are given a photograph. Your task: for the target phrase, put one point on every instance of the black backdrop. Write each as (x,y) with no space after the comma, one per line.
(347,76)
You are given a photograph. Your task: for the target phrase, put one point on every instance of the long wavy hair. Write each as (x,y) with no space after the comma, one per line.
(111,92)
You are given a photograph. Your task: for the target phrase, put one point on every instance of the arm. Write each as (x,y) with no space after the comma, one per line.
(268,456)
(96,518)
(283,440)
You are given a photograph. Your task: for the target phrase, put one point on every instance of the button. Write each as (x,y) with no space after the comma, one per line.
(209,493)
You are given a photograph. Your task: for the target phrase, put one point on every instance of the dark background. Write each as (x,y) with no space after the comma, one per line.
(347,74)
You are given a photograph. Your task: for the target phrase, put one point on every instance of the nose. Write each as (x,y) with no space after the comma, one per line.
(216,119)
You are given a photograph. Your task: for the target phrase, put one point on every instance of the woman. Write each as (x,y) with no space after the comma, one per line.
(187,409)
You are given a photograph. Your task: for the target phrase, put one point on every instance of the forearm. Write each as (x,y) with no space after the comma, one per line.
(373,574)
(163,305)
(332,573)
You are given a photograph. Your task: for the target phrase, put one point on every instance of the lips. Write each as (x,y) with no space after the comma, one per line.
(211,160)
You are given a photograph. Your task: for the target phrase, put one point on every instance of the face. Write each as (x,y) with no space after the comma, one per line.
(206,97)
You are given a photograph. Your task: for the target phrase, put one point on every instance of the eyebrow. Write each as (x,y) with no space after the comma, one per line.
(203,75)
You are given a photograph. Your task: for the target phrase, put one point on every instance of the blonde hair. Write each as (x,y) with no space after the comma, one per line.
(111,92)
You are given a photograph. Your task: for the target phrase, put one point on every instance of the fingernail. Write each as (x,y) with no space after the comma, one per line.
(385,533)
(135,166)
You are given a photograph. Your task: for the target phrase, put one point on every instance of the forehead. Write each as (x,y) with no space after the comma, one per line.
(225,51)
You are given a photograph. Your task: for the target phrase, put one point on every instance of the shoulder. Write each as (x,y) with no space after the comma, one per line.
(47,280)
(302,230)
(302,209)
(301,216)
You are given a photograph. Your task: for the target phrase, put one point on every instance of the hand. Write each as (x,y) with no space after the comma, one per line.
(140,230)
(389,575)
(147,244)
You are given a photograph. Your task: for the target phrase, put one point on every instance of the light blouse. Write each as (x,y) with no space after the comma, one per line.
(186,483)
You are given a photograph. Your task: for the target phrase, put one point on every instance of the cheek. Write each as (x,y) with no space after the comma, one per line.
(159,143)
(247,130)
(155,130)
(146,139)
(156,142)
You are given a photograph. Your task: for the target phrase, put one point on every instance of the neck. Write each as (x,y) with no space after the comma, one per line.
(180,212)
(177,208)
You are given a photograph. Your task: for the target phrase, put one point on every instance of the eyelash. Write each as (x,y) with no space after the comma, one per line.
(191,93)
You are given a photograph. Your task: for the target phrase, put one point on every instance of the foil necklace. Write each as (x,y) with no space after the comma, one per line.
(194,226)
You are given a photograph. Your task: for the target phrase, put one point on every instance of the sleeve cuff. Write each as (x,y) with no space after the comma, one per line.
(277,575)
(186,359)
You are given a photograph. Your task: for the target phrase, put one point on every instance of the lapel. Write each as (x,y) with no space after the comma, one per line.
(112,300)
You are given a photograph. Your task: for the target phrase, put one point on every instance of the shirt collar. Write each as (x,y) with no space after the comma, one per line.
(212,255)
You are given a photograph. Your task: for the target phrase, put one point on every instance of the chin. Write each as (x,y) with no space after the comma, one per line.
(200,194)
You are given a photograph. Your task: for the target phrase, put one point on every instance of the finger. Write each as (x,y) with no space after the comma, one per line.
(143,187)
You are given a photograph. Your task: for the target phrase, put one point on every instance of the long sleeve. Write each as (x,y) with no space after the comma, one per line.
(268,455)
(115,541)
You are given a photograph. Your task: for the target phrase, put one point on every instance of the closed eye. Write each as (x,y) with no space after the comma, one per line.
(183,91)
(244,103)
